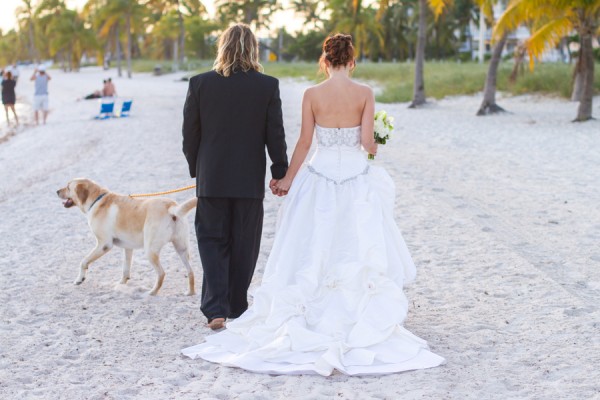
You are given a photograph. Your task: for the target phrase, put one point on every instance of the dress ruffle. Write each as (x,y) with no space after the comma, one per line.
(331,296)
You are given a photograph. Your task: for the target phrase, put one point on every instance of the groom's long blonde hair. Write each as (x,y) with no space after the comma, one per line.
(237,51)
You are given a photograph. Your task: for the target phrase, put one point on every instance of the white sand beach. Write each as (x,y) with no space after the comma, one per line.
(501,215)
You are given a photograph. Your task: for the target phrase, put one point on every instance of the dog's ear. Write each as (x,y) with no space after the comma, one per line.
(82,193)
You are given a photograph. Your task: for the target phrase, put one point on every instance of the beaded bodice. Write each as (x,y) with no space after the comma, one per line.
(342,137)
(339,158)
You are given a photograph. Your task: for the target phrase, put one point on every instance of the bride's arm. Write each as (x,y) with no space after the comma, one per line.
(303,146)
(367,137)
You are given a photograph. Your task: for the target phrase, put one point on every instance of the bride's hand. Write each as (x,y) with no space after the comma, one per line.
(283,186)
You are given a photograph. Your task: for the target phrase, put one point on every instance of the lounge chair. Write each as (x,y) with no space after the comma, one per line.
(107,108)
(125,108)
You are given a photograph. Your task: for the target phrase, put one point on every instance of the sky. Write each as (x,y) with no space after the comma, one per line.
(8,19)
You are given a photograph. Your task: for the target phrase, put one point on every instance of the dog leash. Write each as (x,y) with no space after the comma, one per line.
(162,193)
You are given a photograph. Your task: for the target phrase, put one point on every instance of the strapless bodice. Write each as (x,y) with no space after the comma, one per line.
(338,137)
(339,157)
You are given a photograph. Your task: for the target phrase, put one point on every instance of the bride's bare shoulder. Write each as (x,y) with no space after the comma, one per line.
(310,91)
(363,88)
(317,87)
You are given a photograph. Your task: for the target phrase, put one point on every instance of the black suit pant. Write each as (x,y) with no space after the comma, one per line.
(229,232)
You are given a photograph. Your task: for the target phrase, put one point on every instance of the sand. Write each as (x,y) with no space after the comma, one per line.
(500,213)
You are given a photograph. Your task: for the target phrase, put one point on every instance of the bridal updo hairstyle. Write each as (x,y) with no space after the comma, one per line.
(237,51)
(338,51)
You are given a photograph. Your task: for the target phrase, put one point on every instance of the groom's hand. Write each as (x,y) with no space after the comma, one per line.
(273,186)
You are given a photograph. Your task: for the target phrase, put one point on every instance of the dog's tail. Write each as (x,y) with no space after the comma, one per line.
(182,209)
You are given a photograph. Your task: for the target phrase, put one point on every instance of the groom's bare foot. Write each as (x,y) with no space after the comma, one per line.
(216,324)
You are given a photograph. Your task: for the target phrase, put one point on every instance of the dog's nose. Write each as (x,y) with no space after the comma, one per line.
(58,192)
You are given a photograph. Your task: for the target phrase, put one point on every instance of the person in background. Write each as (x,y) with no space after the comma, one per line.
(8,95)
(15,72)
(109,89)
(96,94)
(40,98)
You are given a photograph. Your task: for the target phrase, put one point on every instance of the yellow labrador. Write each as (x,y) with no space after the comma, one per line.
(131,223)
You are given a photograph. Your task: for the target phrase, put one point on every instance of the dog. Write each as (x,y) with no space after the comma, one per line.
(131,223)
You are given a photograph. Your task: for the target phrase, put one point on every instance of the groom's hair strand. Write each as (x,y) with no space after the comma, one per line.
(237,51)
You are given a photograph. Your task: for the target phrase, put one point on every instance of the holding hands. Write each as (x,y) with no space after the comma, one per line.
(280,187)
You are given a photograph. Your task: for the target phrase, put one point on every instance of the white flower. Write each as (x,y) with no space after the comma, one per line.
(380,127)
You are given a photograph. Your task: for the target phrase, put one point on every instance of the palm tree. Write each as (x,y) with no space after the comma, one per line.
(43,15)
(397,20)
(69,38)
(551,21)
(311,11)
(488,105)
(25,16)
(111,16)
(12,47)
(181,9)
(358,20)
(166,31)
(438,7)
(198,29)
(251,12)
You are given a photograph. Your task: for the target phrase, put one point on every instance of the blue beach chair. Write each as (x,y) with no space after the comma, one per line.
(125,108)
(107,108)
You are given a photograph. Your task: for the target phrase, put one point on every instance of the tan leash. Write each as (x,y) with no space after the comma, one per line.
(162,193)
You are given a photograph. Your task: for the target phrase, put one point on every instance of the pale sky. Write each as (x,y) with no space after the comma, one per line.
(8,20)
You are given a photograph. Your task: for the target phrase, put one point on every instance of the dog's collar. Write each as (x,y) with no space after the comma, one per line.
(97,200)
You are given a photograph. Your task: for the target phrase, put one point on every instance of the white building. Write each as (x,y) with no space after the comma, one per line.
(514,39)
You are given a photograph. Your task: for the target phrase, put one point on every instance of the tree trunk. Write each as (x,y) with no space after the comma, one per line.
(519,57)
(118,50)
(71,59)
(586,55)
(106,59)
(62,61)
(128,54)
(564,50)
(419,85)
(175,66)
(32,49)
(280,45)
(181,35)
(489,106)
(577,80)
(482,29)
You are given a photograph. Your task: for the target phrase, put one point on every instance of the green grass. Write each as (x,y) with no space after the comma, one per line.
(395,80)
(145,65)
(444,78)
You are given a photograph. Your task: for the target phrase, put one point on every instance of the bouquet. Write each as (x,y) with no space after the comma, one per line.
(383,129)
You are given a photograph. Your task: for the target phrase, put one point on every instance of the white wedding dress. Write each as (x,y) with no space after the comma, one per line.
(331,295)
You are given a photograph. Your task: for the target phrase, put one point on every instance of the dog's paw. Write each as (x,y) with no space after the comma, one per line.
(123,281)
(79,281)
(153,292)
(190,293)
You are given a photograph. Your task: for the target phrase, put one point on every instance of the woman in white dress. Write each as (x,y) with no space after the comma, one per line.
(331,296)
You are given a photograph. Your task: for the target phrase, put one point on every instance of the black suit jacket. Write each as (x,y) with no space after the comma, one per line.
(227,122)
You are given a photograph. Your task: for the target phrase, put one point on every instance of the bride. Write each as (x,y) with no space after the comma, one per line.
(331,296)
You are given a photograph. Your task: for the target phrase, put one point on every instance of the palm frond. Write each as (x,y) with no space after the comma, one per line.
(547,37)
(438,6)
(515,14)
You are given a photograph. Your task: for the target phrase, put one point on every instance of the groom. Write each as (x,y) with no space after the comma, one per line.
(230,114)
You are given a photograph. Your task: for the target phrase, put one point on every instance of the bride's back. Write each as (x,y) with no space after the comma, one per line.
(339,102)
